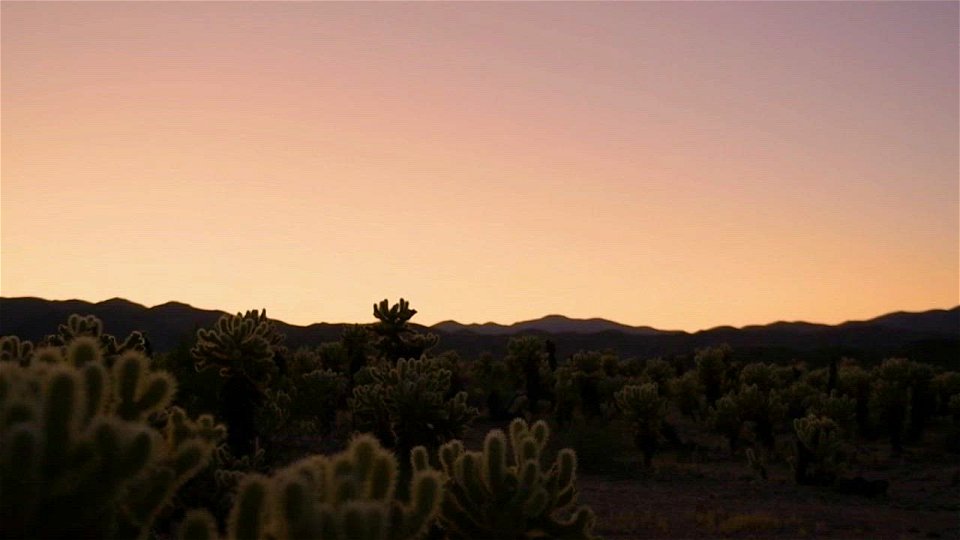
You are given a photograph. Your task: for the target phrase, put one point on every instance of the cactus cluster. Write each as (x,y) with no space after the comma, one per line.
(506,492)
(78,457)
(406,405)
(349,496)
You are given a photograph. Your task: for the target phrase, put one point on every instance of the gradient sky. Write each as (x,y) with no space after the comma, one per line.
(680,165)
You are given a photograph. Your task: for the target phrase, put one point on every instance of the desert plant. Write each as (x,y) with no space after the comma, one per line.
(763,409)
(243,347)
(395,339)
(713,364)
(13,349)
(660,372)
(724,418)
(490,495)
(687,393)
(646,411)
(349,496)
(818,444)
(90,326)
(945,386)
(78,455)
(854,381)
(526,357)
(890,399)
(405,405)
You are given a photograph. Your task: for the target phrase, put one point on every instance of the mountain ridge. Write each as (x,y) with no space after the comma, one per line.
(170,324)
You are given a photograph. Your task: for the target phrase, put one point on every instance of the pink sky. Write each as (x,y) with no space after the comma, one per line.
(680,165)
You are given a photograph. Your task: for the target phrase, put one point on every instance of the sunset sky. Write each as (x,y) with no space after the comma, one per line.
(679,165)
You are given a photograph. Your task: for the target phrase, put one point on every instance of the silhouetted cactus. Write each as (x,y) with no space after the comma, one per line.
(527,356)
(712,366)
(12,349)
(395,338)
(818,457)
(890,399)
(405,405)
(90,326)
(724,418)
(244,348)
(646,410)
(687,392)
(763,409)
(77,456)
(504,491)
(349,496)
(945,386)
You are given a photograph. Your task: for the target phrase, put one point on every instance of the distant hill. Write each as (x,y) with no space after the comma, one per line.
(932,336)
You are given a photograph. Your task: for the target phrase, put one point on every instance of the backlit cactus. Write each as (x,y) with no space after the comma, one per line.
(505,491)
(646,410)
(405,405)
(77,456)
(241,344)
(349,496)
(819,444)
(12,349)
(395,338)
(90,326)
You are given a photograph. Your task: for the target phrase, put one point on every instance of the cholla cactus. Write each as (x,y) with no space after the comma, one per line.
(526,357)
(77,455)
(890,399)
(765,376)
(12,349)
(660,372)
(854,381)
(350,496)
(395,338)
(89,326)
(841,409)
(405,405)
(819,445)
(712,366)
(945,386)
(566,395)
(646,410)
(725,419)
(241,344)
(764,410)
(490,495)
(688,394)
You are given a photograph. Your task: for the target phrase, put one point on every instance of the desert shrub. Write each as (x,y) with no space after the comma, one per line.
(646,411)
(349,496)
(405,405)
(78,454)
(506,492)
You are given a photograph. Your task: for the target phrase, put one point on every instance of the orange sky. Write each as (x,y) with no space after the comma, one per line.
(679,165)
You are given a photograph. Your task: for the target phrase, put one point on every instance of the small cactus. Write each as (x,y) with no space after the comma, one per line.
(350,496)
(819,444)
(504,491)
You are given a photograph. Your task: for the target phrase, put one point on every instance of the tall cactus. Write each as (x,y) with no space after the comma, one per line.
(77,455)
(646,410)
(492,495)
(350,496)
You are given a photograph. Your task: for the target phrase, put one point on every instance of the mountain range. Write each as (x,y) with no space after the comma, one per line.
(932,336)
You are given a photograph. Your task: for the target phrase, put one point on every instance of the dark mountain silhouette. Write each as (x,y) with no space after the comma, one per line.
(932,336)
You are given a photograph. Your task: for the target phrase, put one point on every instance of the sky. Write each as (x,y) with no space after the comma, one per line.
(678,165)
